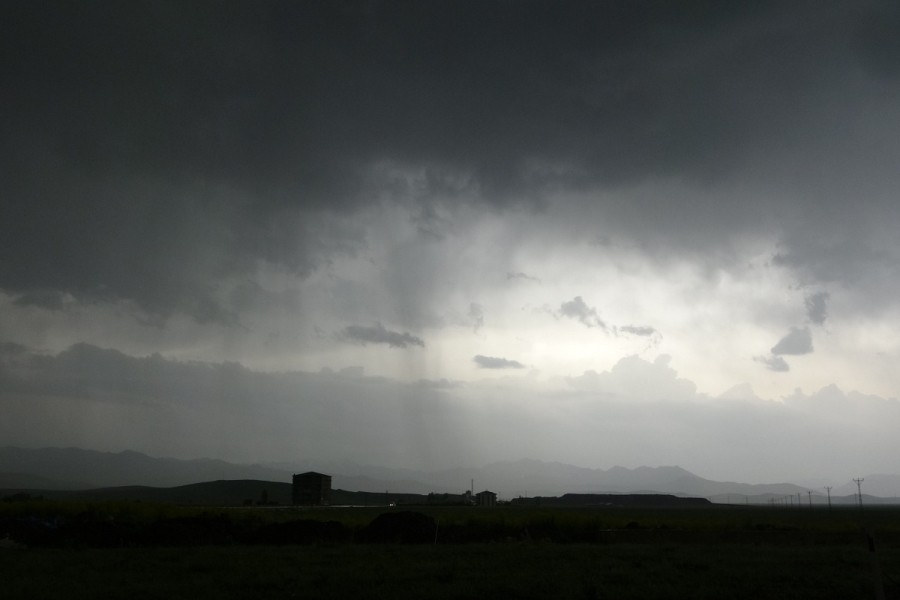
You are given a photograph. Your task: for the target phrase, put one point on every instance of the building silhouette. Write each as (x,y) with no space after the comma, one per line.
(486,498)
(311,489)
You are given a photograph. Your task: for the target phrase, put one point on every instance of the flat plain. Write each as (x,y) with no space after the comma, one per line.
(719,552)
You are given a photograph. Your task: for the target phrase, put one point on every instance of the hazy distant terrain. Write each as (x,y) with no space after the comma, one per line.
(36,482)
(528,477)
(108,469)
(79,469)
(886,486)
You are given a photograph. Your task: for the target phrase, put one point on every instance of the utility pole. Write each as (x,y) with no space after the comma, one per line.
(870,542)
(828,489)
(810,498)
(799,504)
(859,489)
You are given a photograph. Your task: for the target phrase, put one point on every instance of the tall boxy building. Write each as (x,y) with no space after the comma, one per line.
(311,489)
(486,498)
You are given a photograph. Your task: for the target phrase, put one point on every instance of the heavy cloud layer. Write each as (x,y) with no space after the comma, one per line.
(153,150)
(299,186)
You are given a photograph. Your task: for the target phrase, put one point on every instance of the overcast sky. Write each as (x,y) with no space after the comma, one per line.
(430,234)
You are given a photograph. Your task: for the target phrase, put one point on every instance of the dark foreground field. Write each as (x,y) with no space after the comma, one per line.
(512,570)
(134,551)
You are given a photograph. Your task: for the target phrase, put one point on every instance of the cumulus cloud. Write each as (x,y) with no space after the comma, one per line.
(522,276)
(639,330)
(797,341)
(352,371)
(378,334)
(773,363)
(492,362)
(634,377)
(817,307)
(741,391)
(578,309)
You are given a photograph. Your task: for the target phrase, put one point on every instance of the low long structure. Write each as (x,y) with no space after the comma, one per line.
(649,500)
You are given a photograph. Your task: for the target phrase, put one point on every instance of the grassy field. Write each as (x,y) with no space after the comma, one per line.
(503,552)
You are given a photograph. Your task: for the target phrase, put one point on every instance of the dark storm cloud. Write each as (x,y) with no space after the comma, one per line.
(578,309)
(817,307)
(493,362)
(877,43)
(12,349)
(797,341)
(773,363)
(150,150)
(379,335)
(47,299)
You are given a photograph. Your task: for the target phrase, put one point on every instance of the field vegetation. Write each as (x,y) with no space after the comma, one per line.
(59,549)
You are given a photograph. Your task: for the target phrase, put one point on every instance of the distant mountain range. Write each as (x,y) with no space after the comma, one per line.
(529,477)
(232,492)
(886,486)
(79,469)
(92,469)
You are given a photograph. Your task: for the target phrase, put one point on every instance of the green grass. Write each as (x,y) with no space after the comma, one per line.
(508,570)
